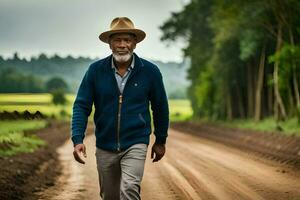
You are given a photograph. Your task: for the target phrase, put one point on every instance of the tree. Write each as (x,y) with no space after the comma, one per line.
(58,97)
(191,25)
(56,83)
(229,43)
(15,81)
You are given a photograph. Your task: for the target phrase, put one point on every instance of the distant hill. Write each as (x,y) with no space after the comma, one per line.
(72,70)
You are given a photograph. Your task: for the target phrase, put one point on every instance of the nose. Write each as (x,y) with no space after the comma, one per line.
(122,44)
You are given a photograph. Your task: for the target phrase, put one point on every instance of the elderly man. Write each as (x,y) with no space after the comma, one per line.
(121,86)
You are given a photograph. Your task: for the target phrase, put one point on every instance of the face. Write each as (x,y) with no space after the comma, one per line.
(122,46)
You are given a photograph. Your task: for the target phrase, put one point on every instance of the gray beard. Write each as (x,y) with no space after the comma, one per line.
(122,58)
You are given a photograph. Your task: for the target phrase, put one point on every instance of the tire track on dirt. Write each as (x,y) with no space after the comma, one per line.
(214,181)
(232,169)
(193,168)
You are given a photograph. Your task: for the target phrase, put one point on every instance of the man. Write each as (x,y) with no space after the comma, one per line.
(121,86)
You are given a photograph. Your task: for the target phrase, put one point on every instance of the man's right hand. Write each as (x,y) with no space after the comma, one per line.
(77,151)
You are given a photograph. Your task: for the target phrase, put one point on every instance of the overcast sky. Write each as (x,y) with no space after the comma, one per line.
(71,27)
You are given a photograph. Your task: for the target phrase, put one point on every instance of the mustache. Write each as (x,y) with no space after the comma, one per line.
(122,51)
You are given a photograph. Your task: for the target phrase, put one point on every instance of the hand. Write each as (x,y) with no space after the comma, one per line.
(77,151)
(159,150)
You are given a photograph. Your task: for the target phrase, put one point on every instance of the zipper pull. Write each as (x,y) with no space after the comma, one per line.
(120,98)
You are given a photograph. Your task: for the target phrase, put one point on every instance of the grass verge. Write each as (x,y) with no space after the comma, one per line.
(288,127)
(14,138)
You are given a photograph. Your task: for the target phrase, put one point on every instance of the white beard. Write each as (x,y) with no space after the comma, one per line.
(122,58)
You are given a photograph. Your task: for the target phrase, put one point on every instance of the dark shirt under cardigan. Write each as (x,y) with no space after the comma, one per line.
(99,87)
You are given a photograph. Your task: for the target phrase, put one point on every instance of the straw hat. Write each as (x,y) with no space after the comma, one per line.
(122,25)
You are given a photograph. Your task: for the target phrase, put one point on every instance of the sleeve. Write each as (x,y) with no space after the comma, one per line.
(160,108)
(82,107)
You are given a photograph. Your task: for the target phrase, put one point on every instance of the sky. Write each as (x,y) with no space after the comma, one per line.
(72,27)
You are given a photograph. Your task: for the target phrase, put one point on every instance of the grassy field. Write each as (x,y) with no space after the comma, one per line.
(36,102)
(12,137)
(30,97)
(179,109)
(288,127)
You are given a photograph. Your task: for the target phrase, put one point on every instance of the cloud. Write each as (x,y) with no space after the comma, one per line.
(72,26)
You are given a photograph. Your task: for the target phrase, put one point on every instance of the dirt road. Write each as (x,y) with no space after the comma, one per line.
(193,168)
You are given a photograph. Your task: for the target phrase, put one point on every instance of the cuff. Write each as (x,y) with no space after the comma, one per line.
(77,139)
(160,140)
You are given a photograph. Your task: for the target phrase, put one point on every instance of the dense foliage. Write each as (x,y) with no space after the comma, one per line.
(58,97)
(56,83)
(14,81)
(245,56)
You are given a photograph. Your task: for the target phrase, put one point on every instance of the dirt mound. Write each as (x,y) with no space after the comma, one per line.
(24,174)
(21,115)
(274,146)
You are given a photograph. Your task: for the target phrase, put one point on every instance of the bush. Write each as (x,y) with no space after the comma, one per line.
(58,97)
(56,83)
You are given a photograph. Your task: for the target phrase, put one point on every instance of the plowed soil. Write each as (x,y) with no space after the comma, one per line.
(199,164)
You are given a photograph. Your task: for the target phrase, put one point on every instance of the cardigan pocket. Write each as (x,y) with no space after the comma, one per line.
(132,122)
(142,119)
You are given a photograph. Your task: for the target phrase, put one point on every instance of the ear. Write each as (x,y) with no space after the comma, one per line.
(134,45)
(134,41)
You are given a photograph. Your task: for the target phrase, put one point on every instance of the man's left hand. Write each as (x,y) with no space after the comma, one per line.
(159,151)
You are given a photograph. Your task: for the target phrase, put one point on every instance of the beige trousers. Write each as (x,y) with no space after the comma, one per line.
(121,173)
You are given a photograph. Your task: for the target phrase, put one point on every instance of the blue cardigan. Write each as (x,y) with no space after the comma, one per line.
(121,119)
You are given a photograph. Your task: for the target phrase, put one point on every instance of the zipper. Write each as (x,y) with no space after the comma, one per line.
(120,108)
(120,101)
(119,121)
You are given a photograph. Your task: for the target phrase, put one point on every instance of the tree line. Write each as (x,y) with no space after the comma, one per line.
(13,81)
(41,68)
(245,57)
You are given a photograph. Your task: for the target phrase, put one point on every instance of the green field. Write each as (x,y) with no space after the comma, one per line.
(36,102)
(288,127)
(179,109)
(13,140)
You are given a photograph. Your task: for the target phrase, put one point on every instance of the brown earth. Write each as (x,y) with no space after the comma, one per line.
(199,165)
(269,145)
(24,174)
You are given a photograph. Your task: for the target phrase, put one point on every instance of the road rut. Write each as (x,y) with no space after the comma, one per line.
(193,168)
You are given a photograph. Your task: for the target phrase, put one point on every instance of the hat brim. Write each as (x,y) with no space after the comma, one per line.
(140,35)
